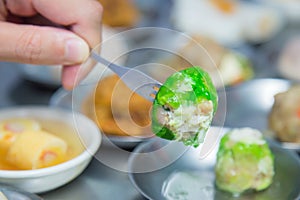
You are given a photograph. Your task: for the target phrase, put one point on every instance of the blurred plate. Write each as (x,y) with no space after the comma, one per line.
(66,99)
(276,50)
(245,21)
(249,105)
(285,185)
(291,8)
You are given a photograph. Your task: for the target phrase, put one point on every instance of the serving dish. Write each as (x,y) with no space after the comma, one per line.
(49,178)
(192,166)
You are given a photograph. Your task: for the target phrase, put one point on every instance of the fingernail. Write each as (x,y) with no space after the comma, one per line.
(76,50)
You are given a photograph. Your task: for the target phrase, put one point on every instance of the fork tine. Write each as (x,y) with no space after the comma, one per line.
(147,91)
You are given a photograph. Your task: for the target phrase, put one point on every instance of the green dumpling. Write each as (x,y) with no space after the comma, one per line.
(244,161)
(184,106)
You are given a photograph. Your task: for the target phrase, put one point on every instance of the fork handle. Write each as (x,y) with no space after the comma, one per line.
(120,70)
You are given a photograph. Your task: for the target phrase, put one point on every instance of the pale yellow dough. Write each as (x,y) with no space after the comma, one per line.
(37,149)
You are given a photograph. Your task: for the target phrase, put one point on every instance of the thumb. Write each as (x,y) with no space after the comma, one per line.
(41,45)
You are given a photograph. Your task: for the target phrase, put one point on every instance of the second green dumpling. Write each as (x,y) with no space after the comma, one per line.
(244,162)
(184,106)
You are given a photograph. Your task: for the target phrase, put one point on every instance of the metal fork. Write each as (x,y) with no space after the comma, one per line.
(136,80)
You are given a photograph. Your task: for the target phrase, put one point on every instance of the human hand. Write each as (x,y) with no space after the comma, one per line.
(50,33)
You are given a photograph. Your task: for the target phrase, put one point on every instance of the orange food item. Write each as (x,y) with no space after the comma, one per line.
(117,110)
(284,117)
(226,6)
(37,149)
(119,13)
(11,128)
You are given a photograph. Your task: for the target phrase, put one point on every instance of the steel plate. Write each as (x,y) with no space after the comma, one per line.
(286,183)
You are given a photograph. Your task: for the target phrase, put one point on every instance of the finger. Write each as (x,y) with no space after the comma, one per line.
(41,45)
(84,20)
(3,11)
(72,75)
(68,77)
(21,7)
(82,16)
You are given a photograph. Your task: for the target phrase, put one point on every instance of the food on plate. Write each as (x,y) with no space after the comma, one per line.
(291,8)
(36,143)
(184,106)
(289,59)
(11,128)
(37,149)
(226,67)
(284,118)
(230,22)
(119,13)
(244,162)
(117,110)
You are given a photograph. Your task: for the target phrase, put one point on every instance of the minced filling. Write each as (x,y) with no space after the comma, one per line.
(247,136)
(188,120)
(264,168)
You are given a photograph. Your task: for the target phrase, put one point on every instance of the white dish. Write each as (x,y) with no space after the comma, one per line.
(239,23)
(45,179)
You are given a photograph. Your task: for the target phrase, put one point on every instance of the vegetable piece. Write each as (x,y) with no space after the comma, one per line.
(244,161)
(184,106)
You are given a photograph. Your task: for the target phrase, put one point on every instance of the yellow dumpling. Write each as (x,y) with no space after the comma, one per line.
(11,128)
(37,149)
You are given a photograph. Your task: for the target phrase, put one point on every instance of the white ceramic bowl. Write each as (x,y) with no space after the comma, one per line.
(45,179)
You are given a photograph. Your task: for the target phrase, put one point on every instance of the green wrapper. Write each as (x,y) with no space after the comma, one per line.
(184,106)
(244,162)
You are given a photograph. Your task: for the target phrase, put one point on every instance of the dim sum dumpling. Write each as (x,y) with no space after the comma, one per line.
(11,128)
(37,149)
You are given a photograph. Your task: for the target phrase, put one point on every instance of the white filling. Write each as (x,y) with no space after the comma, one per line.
(185,85)
(247,136)
(264,166)
(231,69)
(187,120)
